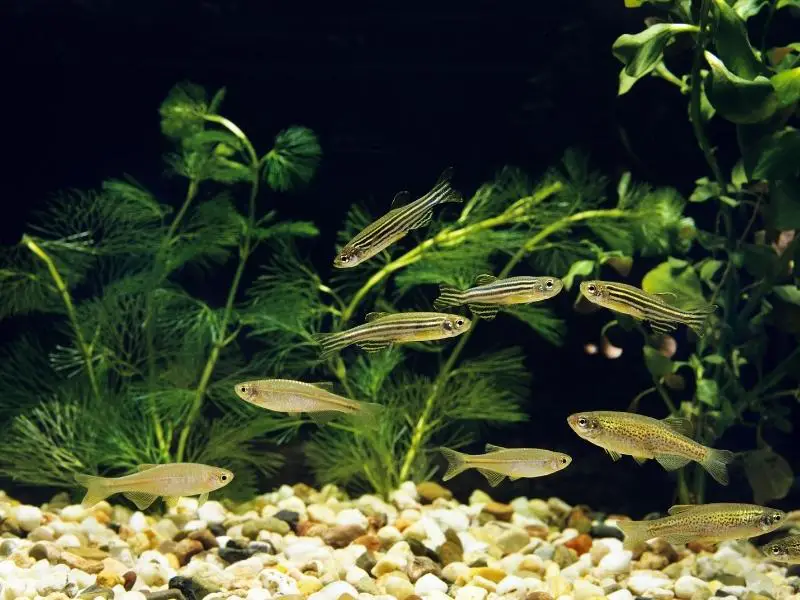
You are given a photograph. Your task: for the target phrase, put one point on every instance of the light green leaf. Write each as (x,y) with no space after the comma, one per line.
(787,293)
(641,52)
(787,86)
(737,99)
(705,190)
(778,155)
(749,8)
(769,474)
(738,176)
(578,268)
(787,4)
(714,359)
(732,44)
(709,268)
(293,160)
(784,204)
(677,277)
(708,392)
(658,364)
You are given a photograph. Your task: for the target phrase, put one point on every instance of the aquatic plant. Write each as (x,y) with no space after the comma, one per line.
(119,367)
(745,259)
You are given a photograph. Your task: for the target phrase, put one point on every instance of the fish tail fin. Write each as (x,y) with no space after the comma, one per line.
(698,317)
(443,191)
(96,488)
(330,343)
(716,463)
(456,462)
(369,411)
(636,533)
(448,296)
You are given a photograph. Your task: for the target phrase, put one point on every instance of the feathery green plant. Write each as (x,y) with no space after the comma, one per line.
(126,376)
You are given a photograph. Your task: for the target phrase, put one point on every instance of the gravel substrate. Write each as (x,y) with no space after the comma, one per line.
(298,542)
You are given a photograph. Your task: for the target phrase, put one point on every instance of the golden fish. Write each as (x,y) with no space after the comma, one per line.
(784,550)
(704,523)
(501,462)
(644,437)
(151,481)
(284,395)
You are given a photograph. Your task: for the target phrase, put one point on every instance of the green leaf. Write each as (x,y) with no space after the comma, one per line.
(732,44)
(183,110)
(709,268)
(749,8)
(658,364)
(578,269)
(287,229)
(783,211)
(737,99)
(778,155)
(787,293)
(769,474)
(787,4)
(787,86)
(705,190)
(641,52)
(293,160)
(714,359)
(708,392)
(542,321)
(674,276)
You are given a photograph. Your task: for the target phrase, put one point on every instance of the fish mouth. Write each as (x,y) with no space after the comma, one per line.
(572,421)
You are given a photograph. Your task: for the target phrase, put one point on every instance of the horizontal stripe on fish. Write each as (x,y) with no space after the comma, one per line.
(491,293)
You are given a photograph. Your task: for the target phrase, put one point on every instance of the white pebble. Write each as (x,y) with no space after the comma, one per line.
(152,556)
(68,541)
(321,514)
(334,590)
(73,512)
(511,584)
(437,595)
(583,590)
(258,594)
(456,520)
(472,592)
(403,500)
(389,534)
(138,522)
(154,574)
(248,568)
(355,574)
(211,512)
(195,525)
(277,583)
(641,582)
(687,586)
(616,562)
(294,504)
(132,596)
(351,516)
(429,583)
(620,595)
(29,517)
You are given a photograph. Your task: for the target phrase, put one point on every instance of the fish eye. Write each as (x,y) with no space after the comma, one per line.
(583,422)
(223,477)
(775,550)
(563,460)
(243,389)
(548,284)
(777,517)
(592,288)
(448,325)
(344,258)
(460,323)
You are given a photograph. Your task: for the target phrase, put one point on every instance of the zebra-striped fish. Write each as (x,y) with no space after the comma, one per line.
(384,329)
(394,225)
(490,293)
(643,306)
(704,523)
(315,399)
(500,463)
(643,437)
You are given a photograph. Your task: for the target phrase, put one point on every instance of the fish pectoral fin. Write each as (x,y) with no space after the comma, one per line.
(328,386)
(141,499)
(371,316)
(171,501)
(401,199)
(640,460)
(680,425)
(493,448)
(484,279)
(487,312)
(323,417)
(614,454)
(145,467)
(202,499)
(373,345)
(422,221)
(679,508)
(662,327)
(494,478)
(671,461)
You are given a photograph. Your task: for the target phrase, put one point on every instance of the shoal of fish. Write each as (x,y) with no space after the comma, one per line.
(668,441)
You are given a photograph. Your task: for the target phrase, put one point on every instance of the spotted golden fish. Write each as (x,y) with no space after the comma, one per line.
(704,523)
(315,399)
(490,293)
(640,305)
(643,437)
(171,480)
(785,550)
(500,463)
(384,329)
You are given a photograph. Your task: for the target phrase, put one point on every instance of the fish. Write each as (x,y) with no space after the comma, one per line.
(315,399)
(171,480)
(403,217)
(382,330)
(643,437)
(500,463)
(704,523)
(491,293)
(643,306)
(785,550)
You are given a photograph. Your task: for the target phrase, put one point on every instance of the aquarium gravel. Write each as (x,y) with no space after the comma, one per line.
(298,542)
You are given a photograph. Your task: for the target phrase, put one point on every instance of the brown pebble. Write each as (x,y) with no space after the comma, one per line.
(581,543)
(413,597)
(49,552)
(430,491)
(402,524)
(205,537)
(371,542)
(698,547)
(341,535)
(539,596)
(500,511)
(663,548)
(538,531)
(167,546)
(450,552)
(652,561)
(579,519)
(128,579)
(92,567)
(310,529)
(422,565)
(89,553)
(186,549)
(376,521)
(108,578)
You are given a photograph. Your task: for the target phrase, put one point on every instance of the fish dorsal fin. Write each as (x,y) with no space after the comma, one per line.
(487,312)
(445,177)
(493,448)
(328,386)
(145,467)
(680,425)
(679,508)
(375,315)
(484,279)
(322,417)
(492,477)
(141,499)
(400,199)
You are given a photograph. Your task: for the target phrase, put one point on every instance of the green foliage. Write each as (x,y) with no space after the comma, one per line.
(126,375)
(745,255)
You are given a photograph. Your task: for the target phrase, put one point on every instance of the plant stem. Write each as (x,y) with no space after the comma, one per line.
(422,425)
(84,347)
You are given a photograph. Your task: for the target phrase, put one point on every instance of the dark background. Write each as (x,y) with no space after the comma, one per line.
(395,94)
